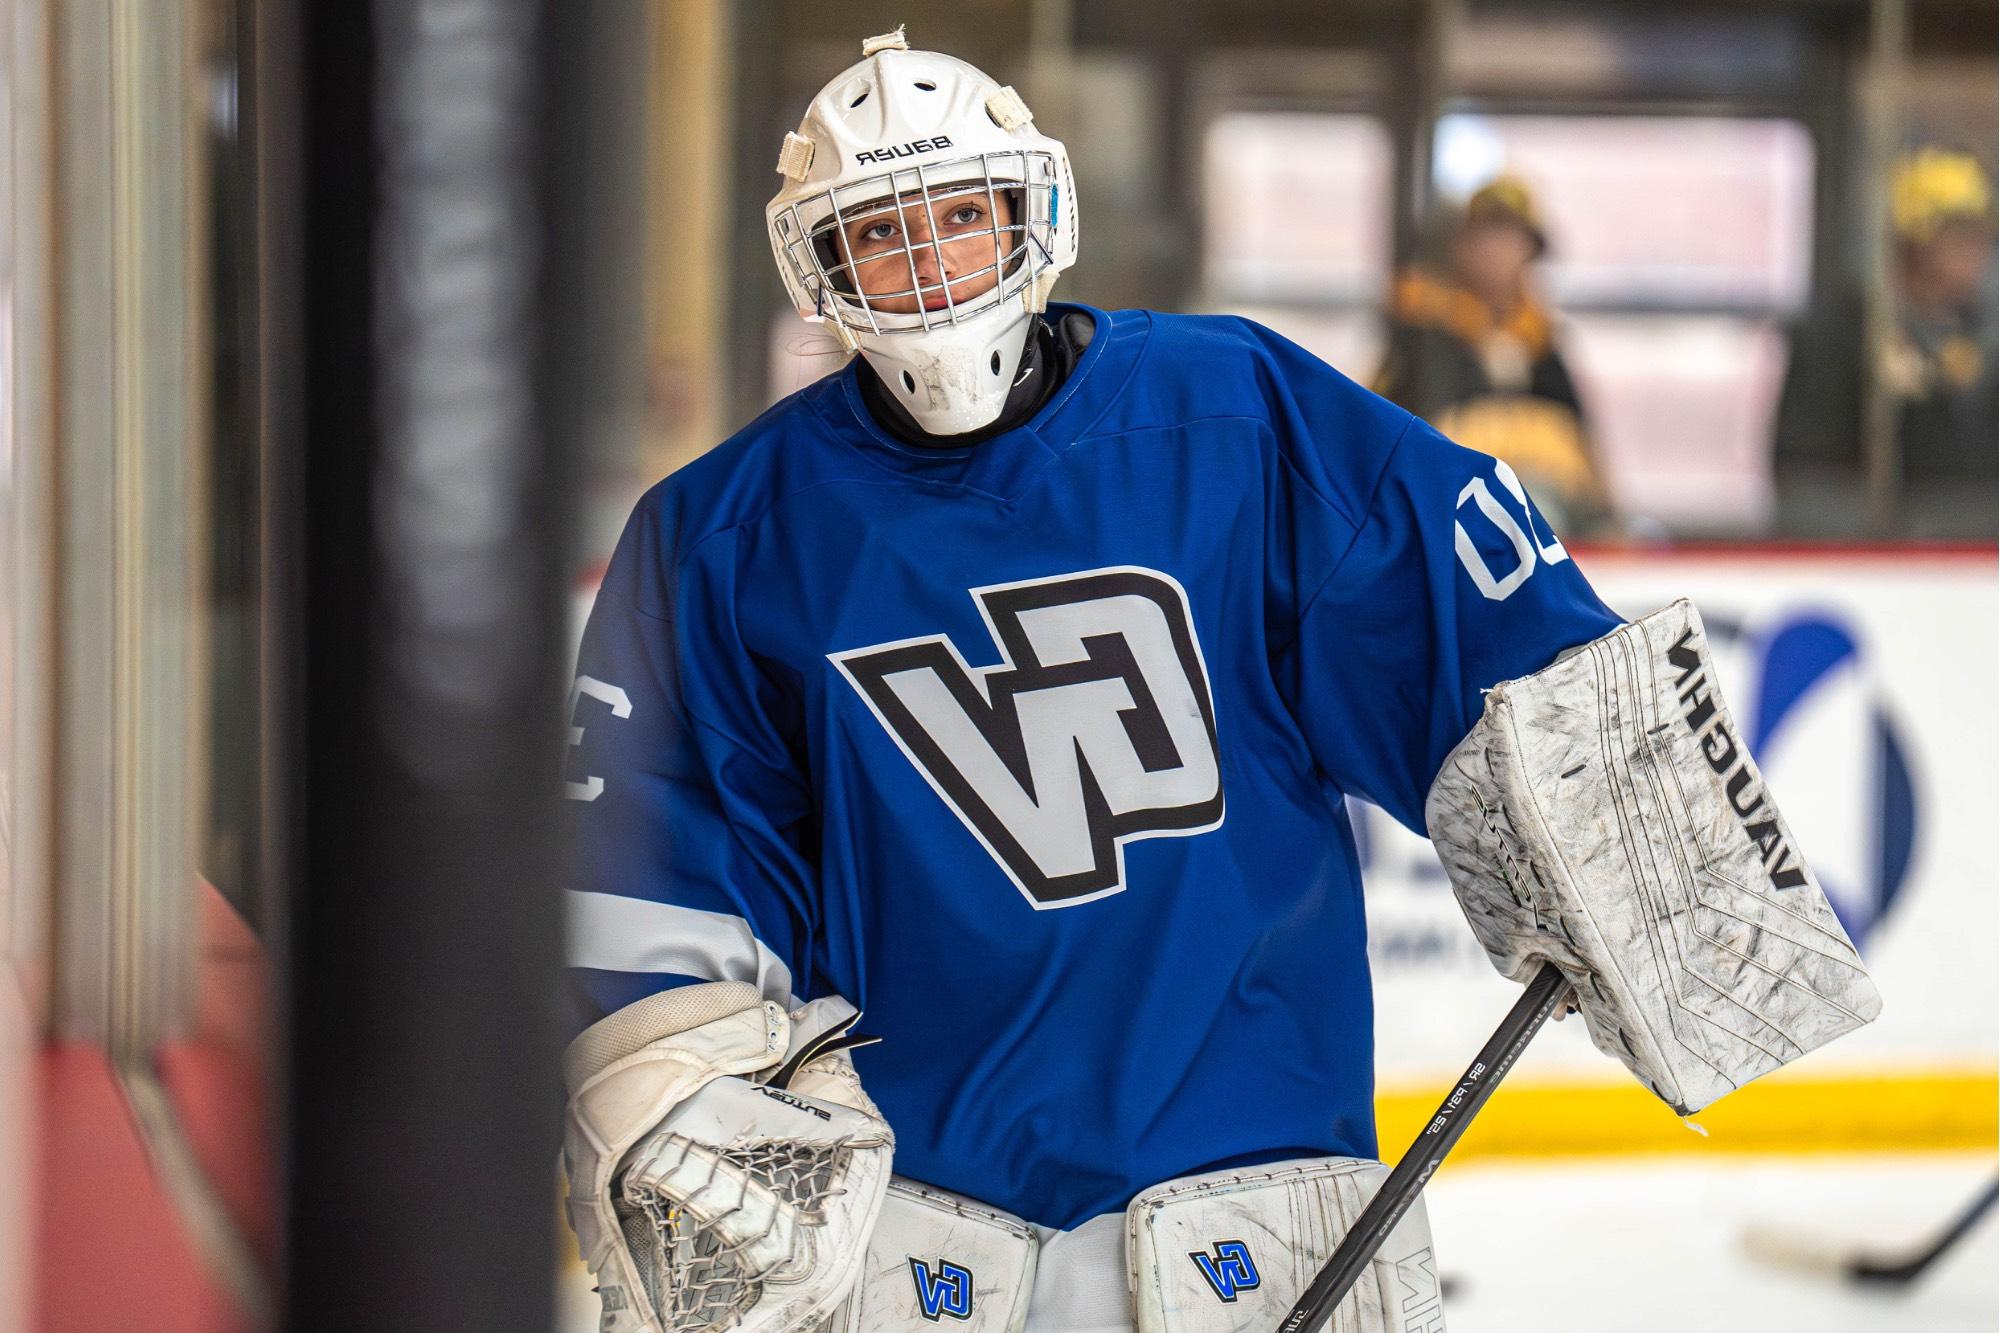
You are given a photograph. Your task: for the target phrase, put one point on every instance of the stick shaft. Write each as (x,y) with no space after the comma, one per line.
(1350,1259)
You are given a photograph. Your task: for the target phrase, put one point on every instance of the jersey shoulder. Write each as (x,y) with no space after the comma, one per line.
(1330,432)
(1212,357)
(1205,338)
(777,455)
(1224,365)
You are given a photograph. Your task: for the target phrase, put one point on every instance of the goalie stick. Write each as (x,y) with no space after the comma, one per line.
(1350,1259)
(1873,1267)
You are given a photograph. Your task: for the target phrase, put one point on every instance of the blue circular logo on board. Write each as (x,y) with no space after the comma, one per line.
(1812,715)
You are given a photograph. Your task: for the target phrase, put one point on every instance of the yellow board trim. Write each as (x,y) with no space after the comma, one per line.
(1927,1112)
(1777,1116)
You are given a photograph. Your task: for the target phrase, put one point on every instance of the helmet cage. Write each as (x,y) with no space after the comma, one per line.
(841,274)
(810,241)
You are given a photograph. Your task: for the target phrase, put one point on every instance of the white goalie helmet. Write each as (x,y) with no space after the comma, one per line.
(902,144)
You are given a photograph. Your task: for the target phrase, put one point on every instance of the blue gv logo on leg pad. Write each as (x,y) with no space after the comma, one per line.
(948,1291)
(1230,1270)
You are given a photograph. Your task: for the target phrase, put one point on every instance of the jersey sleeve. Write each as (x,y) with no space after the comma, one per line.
(689,810)
(1440,579)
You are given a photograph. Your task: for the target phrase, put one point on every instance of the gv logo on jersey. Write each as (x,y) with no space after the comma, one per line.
(1230,1270)
(948,1291)
(1096,728)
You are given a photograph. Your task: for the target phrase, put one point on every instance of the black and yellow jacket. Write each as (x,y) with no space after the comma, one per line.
(1496,383)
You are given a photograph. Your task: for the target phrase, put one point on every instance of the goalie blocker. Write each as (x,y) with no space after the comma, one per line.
(1605,816)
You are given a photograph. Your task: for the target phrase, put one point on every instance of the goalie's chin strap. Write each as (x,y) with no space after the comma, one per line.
(1052,352)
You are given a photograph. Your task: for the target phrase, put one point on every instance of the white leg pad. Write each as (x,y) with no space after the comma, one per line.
(938,1259)
(1233,1250)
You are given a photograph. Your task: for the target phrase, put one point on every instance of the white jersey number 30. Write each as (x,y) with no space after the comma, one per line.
(1529,550)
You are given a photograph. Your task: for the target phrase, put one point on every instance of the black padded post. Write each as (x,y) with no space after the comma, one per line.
(423,487)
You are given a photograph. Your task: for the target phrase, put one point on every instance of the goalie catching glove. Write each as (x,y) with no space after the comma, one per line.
(702,1199)
(1604,816)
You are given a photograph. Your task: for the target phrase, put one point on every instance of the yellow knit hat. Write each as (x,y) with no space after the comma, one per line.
(1933,188)
(1507,199)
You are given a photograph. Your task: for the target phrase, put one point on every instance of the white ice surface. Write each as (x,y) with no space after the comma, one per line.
(1656,1246)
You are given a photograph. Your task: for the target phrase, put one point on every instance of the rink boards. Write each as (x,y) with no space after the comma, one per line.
(1867,682)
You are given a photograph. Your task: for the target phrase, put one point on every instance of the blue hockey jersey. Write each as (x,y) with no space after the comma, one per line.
(1036,750)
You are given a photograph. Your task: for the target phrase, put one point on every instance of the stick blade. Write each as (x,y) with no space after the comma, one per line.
(1803,1252)
(1778,1247)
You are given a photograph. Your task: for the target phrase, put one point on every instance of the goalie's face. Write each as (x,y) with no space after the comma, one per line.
(908,252)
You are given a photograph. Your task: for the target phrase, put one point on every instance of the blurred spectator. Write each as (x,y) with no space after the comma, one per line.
(1937,365)
(1472,350)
